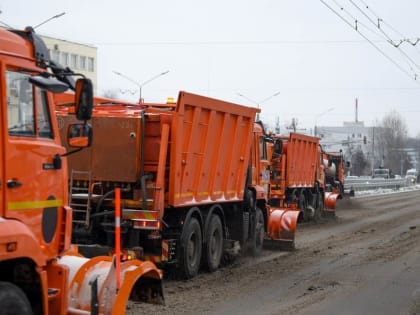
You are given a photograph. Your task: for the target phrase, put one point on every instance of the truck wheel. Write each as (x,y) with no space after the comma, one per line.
(319,211)
(258,238)
(13,300)
(191,247)
(214,243)
(302,207)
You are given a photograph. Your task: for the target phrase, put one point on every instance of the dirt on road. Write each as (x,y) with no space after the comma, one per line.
(366,260)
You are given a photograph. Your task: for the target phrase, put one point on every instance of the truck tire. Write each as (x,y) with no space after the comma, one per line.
(319,211)
(214,243)
(191,248)
(13,300)
(302,204)
(258,235)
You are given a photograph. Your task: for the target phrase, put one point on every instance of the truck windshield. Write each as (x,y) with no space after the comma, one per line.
(27,107)
(381,172)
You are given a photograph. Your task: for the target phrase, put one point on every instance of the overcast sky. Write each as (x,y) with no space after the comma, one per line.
(317,61)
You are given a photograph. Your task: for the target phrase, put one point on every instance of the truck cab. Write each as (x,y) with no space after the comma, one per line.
(412,176)
(381,173)
(40,271)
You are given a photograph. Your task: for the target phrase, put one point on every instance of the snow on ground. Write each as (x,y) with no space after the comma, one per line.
(384,191)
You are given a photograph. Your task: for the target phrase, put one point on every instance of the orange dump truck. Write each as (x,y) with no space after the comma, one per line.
(335,169)
(40,273)
(299,176)
(193,177)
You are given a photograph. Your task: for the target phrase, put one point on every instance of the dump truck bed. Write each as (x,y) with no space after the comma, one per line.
(210,150)
(301,160)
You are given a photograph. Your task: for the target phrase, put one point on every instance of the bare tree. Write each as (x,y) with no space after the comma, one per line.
(359,163)
(113,94)
(391,141)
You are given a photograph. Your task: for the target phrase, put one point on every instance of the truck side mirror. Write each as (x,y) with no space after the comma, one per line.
(84,99)
(49,84)
(79,135)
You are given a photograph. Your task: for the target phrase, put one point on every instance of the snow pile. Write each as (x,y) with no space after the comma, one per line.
(386,191)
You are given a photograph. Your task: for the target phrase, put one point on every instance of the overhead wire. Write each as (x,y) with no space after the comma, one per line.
(377,25)
(371,42)
(358,22)
(403,37)
(385,38)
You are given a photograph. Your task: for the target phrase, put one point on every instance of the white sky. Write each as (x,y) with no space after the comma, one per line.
(220,48)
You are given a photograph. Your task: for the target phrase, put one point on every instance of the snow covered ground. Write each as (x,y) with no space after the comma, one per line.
(383,191)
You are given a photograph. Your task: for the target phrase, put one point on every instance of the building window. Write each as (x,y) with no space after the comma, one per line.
(91,64)
(82,62)
(65,59)
(56,56)
(74,61)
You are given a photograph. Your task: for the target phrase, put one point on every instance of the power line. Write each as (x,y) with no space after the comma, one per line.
(404,38)
(221,43)
(371,42)
(384,33)
(357,22)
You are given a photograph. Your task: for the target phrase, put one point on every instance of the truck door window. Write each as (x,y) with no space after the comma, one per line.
(263,149)
(43,115)
(22,99)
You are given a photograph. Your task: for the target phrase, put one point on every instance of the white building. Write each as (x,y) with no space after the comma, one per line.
(81,58)
(350,138)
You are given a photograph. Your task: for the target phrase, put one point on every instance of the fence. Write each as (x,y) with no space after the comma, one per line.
(367,183)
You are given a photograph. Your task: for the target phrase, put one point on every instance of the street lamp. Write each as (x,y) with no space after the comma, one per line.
(260,102)
(140,85)
(47,20)
(319,115)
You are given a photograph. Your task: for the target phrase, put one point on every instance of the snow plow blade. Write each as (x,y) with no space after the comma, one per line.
(281,229)
(330,200)
(93,285)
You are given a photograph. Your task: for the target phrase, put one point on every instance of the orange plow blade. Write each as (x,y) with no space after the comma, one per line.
(93,285)
(330,200)
(281,229)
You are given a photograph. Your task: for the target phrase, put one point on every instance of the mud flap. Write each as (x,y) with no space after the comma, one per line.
(281,229)
(330,200)
(140,281)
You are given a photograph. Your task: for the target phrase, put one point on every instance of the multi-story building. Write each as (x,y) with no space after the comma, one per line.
(79,57)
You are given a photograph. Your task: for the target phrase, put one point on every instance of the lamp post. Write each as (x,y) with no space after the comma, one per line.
(53,17)
(319,115)
(260,102)
(140,85)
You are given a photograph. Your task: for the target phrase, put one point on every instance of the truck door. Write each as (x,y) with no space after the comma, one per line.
(34,186)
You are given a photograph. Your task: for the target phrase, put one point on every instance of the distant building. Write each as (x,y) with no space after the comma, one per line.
(81,58)
(351,137)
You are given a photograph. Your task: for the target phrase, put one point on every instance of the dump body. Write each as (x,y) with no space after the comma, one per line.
(210,148)
(302,160)
(35,217)
(204,165)
(185,170)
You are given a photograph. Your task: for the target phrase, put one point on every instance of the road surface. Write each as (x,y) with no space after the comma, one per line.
(366,260)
